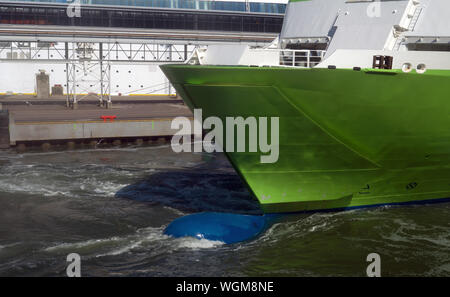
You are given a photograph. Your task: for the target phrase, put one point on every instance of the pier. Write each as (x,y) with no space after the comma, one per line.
(27,121)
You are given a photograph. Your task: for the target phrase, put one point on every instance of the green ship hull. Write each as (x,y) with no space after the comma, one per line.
(347,138)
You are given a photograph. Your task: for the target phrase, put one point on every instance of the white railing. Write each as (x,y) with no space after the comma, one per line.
(260,57)
(301,58)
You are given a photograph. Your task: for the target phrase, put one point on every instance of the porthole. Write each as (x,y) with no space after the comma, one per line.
(421,68)
(407,67)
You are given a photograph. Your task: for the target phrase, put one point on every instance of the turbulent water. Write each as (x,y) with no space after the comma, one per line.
(110,205)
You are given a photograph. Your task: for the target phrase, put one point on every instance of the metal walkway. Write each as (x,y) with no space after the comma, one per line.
(97,34)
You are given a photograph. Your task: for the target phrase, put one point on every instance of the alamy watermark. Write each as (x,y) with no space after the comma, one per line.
(235,132)
(74,9)
(74,268)
(374,268)
(374,9)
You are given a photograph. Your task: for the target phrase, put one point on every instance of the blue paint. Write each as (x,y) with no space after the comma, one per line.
(232,228)
(226,227)
(417,202)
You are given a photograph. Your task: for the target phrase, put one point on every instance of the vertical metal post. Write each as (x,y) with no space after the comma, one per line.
(74,81)
(108,79)
(109,84)
(308,59)
(170,59)
(102,73)
(66,49)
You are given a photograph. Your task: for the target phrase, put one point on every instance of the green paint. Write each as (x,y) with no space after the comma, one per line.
(347,138)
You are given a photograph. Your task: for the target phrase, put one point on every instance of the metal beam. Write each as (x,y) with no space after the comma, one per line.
(108,35)
(118,53)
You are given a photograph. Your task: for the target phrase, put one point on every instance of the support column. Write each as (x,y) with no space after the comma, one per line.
(102,92)
(74,86)
(66,56)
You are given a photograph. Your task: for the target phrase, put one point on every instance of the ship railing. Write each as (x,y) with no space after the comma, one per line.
(301,58)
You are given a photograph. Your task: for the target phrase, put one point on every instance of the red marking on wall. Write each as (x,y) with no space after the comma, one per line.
(110,118)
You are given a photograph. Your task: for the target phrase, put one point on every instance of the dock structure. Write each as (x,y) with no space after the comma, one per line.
(78,64)
(45,122)
(102,52)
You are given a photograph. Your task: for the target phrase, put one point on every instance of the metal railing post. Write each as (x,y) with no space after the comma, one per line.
(308,60)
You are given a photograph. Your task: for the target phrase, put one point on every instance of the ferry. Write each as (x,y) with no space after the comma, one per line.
(361,90)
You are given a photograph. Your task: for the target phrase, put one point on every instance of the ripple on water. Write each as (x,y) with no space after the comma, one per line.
(149,240)
(152,186)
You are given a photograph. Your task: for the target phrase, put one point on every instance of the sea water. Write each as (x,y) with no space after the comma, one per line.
(111,205)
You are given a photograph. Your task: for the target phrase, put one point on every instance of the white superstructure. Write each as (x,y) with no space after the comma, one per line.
(348,33)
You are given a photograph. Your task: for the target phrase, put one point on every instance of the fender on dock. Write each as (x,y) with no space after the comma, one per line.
(226,227)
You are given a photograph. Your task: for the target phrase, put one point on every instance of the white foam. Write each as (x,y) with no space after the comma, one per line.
(122,250)
(318,227)
(29,188)
(8,245)
(195,243)
(82,244)
(150,238)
